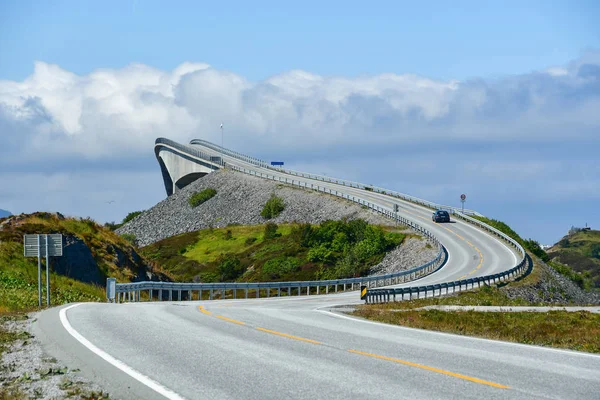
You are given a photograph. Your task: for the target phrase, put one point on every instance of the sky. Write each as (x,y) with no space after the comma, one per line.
(499,101)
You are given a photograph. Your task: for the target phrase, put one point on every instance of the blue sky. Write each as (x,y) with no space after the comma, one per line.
(498,100)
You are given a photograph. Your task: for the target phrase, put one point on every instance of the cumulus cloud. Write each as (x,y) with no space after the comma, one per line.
(450,135)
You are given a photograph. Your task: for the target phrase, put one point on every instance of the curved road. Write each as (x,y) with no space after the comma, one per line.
(296,347)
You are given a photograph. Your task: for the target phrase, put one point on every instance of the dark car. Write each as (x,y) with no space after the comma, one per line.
(440,216)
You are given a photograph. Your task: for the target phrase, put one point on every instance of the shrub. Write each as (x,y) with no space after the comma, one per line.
(250,241)
(273,207)
(270,231)
(200,197)
(130,216)
(230,267)
(228,235)
(279,266)
(130,237)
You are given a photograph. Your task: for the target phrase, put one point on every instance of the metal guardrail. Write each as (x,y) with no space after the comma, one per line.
(342,182)
(132,291)
(387,295)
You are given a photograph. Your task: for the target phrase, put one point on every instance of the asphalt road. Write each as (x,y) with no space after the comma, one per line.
(295,348)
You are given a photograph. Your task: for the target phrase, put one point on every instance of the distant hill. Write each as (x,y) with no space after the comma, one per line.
(4,213)
(580,250)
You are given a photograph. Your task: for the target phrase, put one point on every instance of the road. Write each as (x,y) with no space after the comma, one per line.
(296,347)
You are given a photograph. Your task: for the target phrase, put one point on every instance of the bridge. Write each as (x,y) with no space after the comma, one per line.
(299,345)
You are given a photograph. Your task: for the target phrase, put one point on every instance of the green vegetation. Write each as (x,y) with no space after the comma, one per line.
(576,331)
(582,271)
(529,244)
(581,253)
(271,252)
(114,226)
(130,237)
(18,275)
(200,197)
(273,207)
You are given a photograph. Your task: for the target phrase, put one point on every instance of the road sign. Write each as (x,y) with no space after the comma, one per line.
(43,246)
(276,162)
(396,208)
(463,197)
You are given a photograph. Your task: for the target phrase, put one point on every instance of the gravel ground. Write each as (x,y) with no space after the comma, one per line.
(26,369)
(239,200)
(413,252)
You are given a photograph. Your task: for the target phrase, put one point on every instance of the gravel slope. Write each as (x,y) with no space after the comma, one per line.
(240,199)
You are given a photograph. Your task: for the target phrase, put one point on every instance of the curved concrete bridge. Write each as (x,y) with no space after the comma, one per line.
(181,165)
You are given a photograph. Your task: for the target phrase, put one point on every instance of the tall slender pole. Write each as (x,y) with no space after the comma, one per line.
(47,273)
(39,271)
(222,144)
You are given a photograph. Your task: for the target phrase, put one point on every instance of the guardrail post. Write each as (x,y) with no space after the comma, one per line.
(257,292)
(336,287)
(318,287)
(150,294)
(278,291)
(308,290)
(179,295)
(327,289)
(189,295)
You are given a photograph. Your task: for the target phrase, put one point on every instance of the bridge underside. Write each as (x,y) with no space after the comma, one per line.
(179,169)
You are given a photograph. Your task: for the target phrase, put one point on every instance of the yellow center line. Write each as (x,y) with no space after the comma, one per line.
(439,371)
(203,311)
(230,320)
(288,336)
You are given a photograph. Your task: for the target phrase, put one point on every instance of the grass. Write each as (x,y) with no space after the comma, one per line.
(213,243)
(19,283)
(18,275)
(201,256)
(200,197)
(579,252)
(575,331)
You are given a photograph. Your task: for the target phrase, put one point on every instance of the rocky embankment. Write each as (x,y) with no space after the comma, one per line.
(552,288)
(239,200)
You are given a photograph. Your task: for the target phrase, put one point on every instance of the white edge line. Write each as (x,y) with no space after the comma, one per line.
(529,346)
(143,379)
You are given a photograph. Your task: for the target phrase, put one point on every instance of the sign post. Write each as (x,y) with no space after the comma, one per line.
(463,197)
(43,245)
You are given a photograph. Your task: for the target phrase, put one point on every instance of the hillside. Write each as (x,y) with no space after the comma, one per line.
(289,252)
(91,254)
(4,213)
(239,200)
(580,251)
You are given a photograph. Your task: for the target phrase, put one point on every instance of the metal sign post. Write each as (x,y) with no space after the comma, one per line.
(39,246)
(463,197)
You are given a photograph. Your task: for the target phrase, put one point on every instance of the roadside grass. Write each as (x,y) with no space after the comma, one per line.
(19,283)
(569,330)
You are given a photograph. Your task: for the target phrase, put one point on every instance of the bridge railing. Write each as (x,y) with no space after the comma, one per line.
(187,150)
(342,182)
(132,291)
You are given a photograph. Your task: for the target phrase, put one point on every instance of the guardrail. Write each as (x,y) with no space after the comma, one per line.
(132,291)
(387,295)
(187,150)
(342,182)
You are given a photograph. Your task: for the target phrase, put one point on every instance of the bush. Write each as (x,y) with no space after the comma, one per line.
(250,241)
(230,267)
(131,216)
(228,235)
(130,237)
(279,266)
(200,197)
(270,231)
(273,207)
